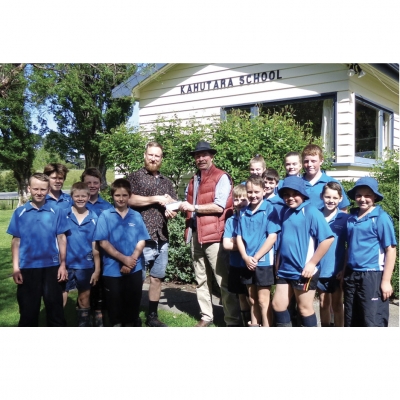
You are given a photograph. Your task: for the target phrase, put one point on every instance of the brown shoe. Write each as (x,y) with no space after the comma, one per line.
(203,324)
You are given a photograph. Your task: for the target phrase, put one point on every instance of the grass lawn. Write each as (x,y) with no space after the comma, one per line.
(9,314)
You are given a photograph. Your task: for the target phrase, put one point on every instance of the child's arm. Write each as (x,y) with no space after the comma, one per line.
(390,258)
(136,254)
(96,259)
(322,248)
(62,274)
(266,247)
(230,244)
(250,262)
(128,261)
(17,276)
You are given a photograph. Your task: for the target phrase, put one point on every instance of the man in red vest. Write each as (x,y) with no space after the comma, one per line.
(208,205)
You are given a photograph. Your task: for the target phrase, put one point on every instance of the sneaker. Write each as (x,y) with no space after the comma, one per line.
(152,320)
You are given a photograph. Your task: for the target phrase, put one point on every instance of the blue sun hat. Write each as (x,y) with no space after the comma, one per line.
(294,183)
(372,183)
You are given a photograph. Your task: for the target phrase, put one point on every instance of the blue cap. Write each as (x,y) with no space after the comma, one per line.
(372,183)
(295,183)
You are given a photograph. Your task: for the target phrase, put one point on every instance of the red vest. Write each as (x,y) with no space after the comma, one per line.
(210,227)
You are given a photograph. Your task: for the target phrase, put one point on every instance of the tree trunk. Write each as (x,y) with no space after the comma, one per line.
(23,195)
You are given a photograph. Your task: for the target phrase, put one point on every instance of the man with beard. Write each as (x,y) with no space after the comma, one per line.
(151,191)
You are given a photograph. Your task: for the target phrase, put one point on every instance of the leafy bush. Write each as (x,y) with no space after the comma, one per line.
(10,183)
(180,266)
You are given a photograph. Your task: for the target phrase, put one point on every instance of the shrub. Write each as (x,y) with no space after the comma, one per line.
(180,266)
(10,183)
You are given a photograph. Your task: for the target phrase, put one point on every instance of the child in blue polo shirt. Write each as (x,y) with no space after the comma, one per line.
(371,258)
(315,179)
(293,166)
(332,263)
(83,259)
(305,238)
(240,202)
(57,173)
(257,231)
(38,252)
(271,180)
(92,177)
(122,235)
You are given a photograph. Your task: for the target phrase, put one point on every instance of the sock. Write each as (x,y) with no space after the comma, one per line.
(153,306)
(282,317)
(310,321)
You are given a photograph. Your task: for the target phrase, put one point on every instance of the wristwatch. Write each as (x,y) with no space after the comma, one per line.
(196,208)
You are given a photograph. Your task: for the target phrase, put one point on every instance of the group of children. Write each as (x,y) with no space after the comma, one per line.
(62,242)
(296,234)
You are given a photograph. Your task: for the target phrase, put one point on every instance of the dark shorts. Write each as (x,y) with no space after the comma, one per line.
(79,279)
(303,284)
(328,285)
(234,283)
(262,276)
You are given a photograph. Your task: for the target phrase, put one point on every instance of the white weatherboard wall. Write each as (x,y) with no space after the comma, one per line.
(169,95)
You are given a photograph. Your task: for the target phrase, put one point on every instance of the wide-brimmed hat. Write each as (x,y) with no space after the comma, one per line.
(203,146)
(294,183)
(372,183)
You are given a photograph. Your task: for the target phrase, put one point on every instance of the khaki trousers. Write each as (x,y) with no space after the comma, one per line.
(209,259)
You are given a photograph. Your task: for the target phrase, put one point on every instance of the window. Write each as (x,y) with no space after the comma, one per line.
(373,130)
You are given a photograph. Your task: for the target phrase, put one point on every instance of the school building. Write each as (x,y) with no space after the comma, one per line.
(354,107)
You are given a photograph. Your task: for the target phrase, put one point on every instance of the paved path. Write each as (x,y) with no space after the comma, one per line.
(180,300)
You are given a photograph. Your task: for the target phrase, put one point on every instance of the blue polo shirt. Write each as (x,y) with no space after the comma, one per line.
(79,240)
(314,191)
(123,234)
(255,228)
(303,229)
(231,224)
(367,239)
(38,230)
(64,201)
(277,202)
(99,206)
(332,262)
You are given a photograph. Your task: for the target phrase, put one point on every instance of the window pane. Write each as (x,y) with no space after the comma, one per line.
(366,131)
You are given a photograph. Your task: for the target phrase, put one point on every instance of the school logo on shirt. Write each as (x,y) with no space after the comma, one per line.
(131,224)
(55,258)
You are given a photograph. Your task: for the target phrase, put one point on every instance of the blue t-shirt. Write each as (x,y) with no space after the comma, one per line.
(64,201)
(255,228)
(279,204)
(303,229)
(79,240)
(37,230)
(314,191)
(368,238)
(99,206)
(332,262)
(231,224)
(123,234)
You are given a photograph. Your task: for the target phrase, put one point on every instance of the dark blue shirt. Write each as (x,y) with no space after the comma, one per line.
(99,206)
(64,201)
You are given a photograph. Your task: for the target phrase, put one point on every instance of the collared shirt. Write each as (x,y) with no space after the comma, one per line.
(303,229)
(79,240)
(254,228)
(124,234)
(368,238)
(235,259)
(38,230)
(314,191)
(144,183)
(332,262)
(99,206)
(64,201)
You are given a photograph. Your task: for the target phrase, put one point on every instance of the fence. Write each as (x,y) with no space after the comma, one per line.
(8,204)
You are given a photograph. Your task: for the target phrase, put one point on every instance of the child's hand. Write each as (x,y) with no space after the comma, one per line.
(94,279)
(130,261)
(386,289)
(17,276)
(62,274)
(251,263)
(308,270)
(125,270)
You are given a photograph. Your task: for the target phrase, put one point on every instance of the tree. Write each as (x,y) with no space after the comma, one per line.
(17,141)
(79,97)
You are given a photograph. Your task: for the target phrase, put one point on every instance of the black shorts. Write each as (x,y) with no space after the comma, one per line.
(262,276)
(328,285)
(234,283)
(303,284)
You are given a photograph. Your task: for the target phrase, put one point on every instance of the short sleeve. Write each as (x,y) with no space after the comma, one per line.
(386,233)
(101,231)
(320,229)
(13,227)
